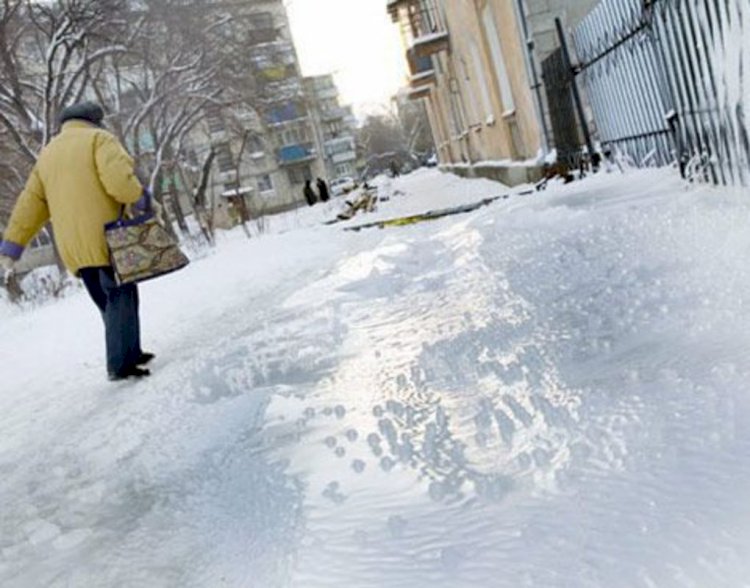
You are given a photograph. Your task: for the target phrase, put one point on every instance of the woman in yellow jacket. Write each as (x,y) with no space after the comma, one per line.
(80,182)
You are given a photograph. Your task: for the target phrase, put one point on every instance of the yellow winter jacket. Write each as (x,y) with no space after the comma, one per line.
(80,181)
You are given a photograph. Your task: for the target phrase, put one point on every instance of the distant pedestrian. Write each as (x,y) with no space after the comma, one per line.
(395,172)
(80,182)
(310,193)
(323,192)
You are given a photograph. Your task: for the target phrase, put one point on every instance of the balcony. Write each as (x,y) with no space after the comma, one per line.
(278,55)
(294,154)
(423,25)
(343,157)
(394,6)
(289,88)
(326,92)
(423,79)
(285,112)
(340,150)
(419,92)
(334,114)
(276,72)
(431,44)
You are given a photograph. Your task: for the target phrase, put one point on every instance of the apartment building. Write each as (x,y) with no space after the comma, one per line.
(335,125)
(267,147)
(477,65)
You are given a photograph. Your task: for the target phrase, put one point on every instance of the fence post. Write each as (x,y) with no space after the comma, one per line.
(574,87)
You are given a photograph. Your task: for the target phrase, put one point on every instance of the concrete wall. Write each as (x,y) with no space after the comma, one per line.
(524,123)
(481,108)
(541,16)
(508,175)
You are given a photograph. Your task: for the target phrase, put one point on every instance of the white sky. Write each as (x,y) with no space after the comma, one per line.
(356,41)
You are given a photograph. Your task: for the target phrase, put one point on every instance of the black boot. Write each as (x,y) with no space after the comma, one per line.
(129,372)
(144,358)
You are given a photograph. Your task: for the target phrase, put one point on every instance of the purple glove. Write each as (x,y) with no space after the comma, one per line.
(11,250)
(143,204)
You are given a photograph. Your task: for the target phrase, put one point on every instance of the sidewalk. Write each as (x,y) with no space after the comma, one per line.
(548,391)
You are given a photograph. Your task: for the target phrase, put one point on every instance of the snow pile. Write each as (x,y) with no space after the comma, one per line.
(426,189)
(550,391)
(729,54)
(414,193)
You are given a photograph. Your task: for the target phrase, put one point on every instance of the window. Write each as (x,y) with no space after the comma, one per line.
(455,111)
(334,128)
(214,119)
(482,79)
(262,20)
(255,143)
(493,38)
(215,124)
(264,183)
(295,135)
(224,157)
(192,158)
(344,169)
(340,146)
(292,137)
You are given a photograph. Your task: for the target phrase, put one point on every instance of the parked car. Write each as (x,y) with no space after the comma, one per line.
(342,186)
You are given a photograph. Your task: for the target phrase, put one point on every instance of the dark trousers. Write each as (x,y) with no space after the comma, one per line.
(119,308)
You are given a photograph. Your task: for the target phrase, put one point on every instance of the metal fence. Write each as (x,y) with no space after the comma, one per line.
(557,82)
(670,80)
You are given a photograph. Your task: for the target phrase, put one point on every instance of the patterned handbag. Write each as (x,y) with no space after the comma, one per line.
(141,249)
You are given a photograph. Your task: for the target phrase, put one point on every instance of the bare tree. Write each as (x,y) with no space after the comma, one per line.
(158,67)
(47,50)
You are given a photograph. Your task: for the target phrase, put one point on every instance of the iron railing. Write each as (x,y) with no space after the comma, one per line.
(670,80)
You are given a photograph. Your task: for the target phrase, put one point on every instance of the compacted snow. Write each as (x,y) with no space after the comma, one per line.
(548,392)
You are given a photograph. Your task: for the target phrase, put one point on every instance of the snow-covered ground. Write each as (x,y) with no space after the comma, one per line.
(548,392)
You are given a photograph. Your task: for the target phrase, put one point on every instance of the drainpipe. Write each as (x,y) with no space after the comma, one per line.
(536,86)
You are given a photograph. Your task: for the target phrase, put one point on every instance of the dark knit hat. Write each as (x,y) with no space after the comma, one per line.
(86,111)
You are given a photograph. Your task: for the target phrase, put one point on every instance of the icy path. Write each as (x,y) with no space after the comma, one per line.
(549,392)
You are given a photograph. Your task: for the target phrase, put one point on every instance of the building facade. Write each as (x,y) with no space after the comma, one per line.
(334,124)
(266,147)
(477,65)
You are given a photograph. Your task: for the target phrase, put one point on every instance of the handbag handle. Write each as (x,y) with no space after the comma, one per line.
(136,219)
(140,209)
